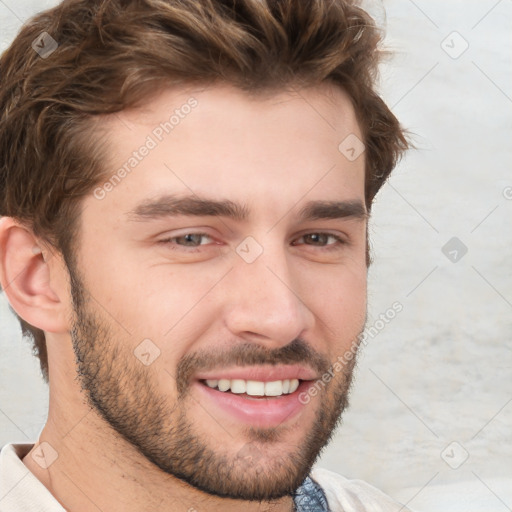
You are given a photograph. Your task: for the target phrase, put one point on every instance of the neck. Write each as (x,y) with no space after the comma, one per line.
(97,469)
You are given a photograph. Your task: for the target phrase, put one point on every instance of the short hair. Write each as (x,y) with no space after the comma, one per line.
(114,54)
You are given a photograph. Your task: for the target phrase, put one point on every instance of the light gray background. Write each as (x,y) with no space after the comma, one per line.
(440,372)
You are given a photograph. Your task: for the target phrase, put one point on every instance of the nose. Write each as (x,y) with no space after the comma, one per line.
(264,301)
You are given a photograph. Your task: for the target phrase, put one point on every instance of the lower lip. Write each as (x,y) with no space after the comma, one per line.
(265,412)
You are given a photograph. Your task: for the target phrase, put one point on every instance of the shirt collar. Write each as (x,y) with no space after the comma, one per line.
(310,497)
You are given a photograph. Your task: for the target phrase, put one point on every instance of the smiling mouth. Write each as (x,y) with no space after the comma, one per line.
(261,400)
(254,388)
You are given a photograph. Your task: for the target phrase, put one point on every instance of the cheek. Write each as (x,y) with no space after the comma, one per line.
(147,300)
(180,298)
(338,299)
(173,308)
(335,288)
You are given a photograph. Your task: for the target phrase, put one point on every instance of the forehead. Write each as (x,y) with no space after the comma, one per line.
(328,101)
(272,149)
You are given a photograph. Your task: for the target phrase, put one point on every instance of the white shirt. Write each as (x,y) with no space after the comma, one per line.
(21,491)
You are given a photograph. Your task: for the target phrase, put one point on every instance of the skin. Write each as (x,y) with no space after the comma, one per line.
(271,154)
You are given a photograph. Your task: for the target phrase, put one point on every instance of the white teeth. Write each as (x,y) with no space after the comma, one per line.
(274,388)
(238,386)
(294,384)
(254,387)
(224,384)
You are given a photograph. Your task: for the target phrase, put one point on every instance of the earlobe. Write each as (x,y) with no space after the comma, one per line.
(26,279)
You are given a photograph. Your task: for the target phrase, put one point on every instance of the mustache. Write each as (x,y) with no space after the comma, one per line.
(249,354)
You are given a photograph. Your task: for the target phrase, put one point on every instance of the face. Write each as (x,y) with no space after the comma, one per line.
(218,278)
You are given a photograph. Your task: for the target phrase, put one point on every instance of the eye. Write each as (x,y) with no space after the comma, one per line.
(191,240)
(196,240)
(322,239)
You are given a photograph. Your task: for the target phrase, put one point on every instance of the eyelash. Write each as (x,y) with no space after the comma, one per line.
(329,247)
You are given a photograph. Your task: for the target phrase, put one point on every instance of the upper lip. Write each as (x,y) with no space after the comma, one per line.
(259,373)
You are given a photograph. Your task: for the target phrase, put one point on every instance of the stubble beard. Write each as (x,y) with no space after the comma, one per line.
(126,396)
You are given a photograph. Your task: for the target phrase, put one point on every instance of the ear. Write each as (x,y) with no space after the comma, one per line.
(26,279)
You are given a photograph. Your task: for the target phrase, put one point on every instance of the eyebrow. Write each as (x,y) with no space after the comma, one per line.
(171,206)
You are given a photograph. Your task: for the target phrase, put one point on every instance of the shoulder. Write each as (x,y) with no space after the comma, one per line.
(20,490)
(353,495)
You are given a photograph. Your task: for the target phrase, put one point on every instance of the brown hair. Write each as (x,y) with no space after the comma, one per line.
(112,53)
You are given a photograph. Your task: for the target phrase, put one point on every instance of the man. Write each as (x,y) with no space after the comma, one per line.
(185,194)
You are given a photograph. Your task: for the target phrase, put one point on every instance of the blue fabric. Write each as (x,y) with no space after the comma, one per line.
(310,497)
